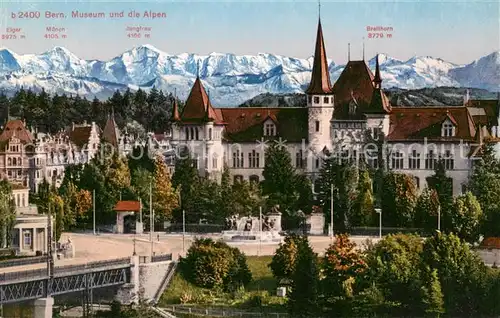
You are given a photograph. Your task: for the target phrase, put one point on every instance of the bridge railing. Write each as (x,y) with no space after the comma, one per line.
(92,265)
(161,258)
(23,261)
(24,275)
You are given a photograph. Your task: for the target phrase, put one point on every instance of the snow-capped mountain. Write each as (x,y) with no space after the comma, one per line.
(484,72)
(230,79)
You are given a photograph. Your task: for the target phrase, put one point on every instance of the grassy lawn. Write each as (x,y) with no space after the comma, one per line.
(259,295)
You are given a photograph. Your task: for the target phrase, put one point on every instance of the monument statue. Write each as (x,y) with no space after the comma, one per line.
(252,228)
(249,224)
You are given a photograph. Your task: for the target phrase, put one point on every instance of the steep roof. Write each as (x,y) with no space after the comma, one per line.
(491,111)
(128,206)
(198,107)
(320,77)
(80,135)
(379,104)
(356,79)
(16,128)
(417,123)
(175,111)
(247,124)
(110,133)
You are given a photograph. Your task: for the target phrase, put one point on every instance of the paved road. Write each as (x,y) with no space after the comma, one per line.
(91,248)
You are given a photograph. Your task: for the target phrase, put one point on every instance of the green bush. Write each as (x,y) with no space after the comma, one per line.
(215,265)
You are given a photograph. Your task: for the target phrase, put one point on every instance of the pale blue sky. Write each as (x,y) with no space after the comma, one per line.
(457,31)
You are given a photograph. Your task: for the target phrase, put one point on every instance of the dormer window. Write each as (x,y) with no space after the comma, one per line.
(269,129)
(448,129)
(352,108)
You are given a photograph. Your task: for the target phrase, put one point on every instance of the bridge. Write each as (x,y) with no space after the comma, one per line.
(34,284)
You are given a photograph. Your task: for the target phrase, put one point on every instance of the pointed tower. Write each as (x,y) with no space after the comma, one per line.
(377,114)
(202,125)
(320,103)
(377,80)
(175,120)
(111,133)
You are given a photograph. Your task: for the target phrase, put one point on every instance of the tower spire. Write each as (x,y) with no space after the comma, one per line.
(377,80)
(348,52)
(363,48)
(319,9)
(320,77)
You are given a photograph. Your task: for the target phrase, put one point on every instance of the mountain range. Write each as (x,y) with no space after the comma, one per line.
(229,79)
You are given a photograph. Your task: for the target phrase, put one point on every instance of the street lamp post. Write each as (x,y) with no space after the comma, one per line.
(439,217)
(379,211)
(331,213)
(134,254)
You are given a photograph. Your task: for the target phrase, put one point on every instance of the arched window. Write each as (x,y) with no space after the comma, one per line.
(14,161)
(187,133)
(254,178)
(209,133)
(9,161)
(192,133)
(197,134)
(238,178)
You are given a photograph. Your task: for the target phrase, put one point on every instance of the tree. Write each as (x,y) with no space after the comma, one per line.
(7,213)
(77,202)
(140,184)
(466,217)
(140,158)
(363,211)
(485,185)
(426,210)
(283,263)
(185,177)
(303,299)
(56,208)
(165,197)
(460,271)
(281,184)
(398,199)
(342,262)
(443,185)
(394,266)
(117,173)
(344,179)
(432,296)
(246,198)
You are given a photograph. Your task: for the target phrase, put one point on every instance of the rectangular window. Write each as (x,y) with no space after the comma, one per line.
(430,160)
(397,160)
(317,125)
(238,159)
(326,100)
(317,163)
(27,239)
(253,159)
(316,99)
(299,159)
(270,130)
(449,162)
(414,160)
